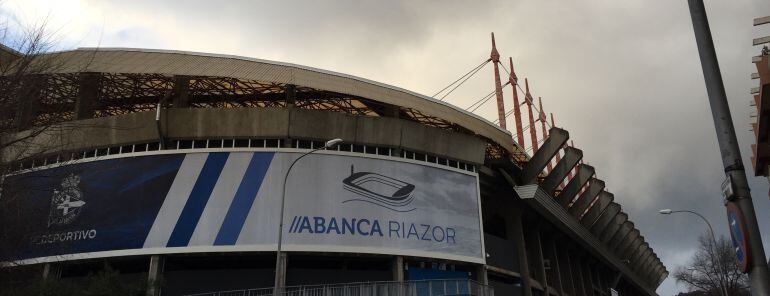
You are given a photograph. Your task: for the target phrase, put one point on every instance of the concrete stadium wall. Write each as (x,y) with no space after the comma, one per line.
(275,123)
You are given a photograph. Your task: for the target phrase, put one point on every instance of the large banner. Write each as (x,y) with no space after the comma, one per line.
(231,201)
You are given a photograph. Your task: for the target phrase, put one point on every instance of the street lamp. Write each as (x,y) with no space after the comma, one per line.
(713,240)
(279,272)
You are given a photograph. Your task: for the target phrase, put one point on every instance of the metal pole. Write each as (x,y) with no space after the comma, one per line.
(716,260)
(728,146)
(279,272)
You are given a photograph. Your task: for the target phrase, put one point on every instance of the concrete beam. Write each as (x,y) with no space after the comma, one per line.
(663,277)
(584,173)
(627,242)
(570,159)
(621,235)
(556,139)
(761,20)
(644,259)
(761,40)
(648,266)
(654,268)
(605,219)
(613,227)
(595,211)
(637,258)
(595,186)
(632,248)
(655,273)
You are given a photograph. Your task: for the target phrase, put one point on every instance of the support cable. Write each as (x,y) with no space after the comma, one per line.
(526,97)
(483,100)
(464,78)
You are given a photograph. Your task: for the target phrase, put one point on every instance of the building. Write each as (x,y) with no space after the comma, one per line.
(761,149)
(173,168)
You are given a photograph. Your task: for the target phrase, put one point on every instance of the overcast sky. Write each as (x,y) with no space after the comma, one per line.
(623,77)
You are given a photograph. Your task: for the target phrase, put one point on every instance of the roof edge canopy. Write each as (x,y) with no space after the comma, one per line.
(168,62)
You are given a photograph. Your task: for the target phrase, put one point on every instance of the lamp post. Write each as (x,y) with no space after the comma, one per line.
(716,260)
(279,268)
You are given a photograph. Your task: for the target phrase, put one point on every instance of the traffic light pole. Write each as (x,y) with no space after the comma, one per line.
(728,146)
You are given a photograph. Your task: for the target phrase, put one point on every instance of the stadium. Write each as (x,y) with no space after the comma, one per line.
(209,174)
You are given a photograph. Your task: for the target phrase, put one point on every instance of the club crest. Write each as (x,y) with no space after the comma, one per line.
(66,202)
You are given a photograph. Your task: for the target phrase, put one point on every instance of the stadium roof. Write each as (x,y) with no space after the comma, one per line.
(166,62)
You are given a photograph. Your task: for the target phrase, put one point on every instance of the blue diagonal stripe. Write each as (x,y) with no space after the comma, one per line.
(199,196)
(244,198)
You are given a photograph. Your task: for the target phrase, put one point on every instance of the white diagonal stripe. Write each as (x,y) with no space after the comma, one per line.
(221,197)
(175,200)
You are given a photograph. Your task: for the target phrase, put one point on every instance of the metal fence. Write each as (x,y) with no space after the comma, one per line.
(409,288)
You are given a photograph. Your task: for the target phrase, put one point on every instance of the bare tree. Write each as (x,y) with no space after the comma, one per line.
(710,263)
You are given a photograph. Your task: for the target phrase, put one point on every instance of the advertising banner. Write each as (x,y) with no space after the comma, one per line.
(230,201)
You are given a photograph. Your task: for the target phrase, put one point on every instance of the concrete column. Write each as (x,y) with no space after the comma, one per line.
(600,281)
(521,249)
(536,256)
(181,96)
(51,271)
(88,95)
(155,275)
(481,274)
(280,270)
(577,273)
(398,269)
(588,277)
(565,265)
(553,255)
(291,95)
(29,102)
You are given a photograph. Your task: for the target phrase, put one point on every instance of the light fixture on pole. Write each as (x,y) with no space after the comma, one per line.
(717,260)
(279,267)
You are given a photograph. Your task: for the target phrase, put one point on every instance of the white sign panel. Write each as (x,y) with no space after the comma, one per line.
(230,201)
(355,204)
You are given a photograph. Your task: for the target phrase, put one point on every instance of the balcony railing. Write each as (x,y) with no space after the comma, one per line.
(450,287)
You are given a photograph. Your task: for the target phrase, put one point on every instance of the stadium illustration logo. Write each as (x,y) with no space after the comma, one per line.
(67,202)
(380,190)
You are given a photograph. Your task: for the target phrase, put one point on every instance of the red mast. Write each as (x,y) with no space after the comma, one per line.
(541,118)
(516,107)
(495,57)
(532,127)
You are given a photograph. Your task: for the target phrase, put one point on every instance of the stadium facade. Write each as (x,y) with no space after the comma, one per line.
(183,170)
